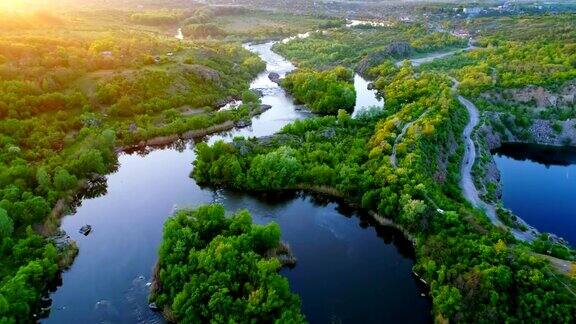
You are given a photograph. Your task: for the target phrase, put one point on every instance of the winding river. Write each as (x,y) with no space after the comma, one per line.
(349,269)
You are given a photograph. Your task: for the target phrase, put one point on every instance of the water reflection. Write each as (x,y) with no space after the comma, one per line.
(348,268)
(539,185)
(546,155)
(365,97)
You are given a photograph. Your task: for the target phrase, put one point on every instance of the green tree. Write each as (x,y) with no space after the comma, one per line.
(275,170)
(63,180)
(448,301)
(43,179)
(6,226)
(323,92)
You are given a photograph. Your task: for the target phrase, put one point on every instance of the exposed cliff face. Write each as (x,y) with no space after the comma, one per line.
(536,95)
(487,175)
(541,131)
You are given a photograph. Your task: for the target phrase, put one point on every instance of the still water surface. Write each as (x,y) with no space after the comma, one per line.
(539,185)
(348,270)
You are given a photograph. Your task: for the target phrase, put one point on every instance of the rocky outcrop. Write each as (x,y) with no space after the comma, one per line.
(60,239)
(302,108)
(258,92)
(262,108)
(541,131)
(490,137)
(274,77)
(223,102)
(283,253)
(397,50)
(537,96)
(486,173)
(243,123)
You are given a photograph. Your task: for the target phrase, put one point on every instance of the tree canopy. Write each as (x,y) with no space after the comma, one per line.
(323,92)
(213,268)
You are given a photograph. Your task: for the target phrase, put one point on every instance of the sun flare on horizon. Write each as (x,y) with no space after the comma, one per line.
(23,6)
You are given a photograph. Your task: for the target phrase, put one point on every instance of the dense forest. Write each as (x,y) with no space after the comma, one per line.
(476,272)
(79,86)
(215,268)
(323,92)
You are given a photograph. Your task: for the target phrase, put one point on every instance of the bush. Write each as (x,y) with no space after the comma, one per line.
(557,127)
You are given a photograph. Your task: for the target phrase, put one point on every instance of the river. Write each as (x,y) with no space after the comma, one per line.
(539,185)
(348,269)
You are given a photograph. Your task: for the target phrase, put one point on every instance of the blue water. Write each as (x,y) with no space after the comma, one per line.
(348,269)
(539,185)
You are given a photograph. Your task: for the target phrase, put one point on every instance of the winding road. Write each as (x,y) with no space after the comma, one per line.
(469,190)
(417,62)
(467,185)
(434,56)
(401,135)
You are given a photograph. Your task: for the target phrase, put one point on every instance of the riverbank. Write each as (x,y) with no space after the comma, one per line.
(161,141)
(334,193)
(339,196)
(50,226)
